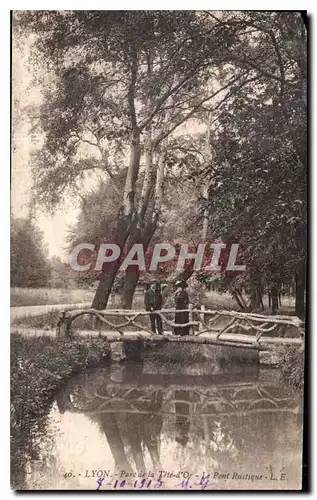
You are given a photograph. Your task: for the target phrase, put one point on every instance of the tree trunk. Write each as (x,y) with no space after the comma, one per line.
(132,175)
(256,301)
(123,226)
(148,154)
(105,286)
(243,302)
(132,278)
(205,188)
(144,235)
(300,285)
(107,278)
(252,305)
(239,299)
(258,298)
(274,299)
(130,283)
(109,425)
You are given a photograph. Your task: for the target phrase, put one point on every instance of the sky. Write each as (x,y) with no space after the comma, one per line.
(54,228)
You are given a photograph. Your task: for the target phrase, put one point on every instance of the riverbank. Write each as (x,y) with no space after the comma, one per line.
(292,362)
(39,366)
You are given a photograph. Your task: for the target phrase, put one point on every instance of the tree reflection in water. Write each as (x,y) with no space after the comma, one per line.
(182,423)
(128,434)
(213,425)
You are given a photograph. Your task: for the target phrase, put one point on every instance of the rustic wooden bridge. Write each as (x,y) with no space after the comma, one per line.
(223,328)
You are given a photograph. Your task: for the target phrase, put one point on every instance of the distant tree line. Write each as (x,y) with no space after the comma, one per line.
(31,266)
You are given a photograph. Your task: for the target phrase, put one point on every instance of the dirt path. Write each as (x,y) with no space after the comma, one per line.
(27,311)
(17,312)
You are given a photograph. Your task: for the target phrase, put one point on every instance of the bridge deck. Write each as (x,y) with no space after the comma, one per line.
(233,339)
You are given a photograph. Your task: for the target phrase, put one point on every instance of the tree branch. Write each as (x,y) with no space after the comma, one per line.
(167,94)
(131,92)
(230,94)
(280,63)
(163,136)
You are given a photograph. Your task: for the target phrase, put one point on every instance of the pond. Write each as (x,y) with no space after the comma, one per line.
(171,422)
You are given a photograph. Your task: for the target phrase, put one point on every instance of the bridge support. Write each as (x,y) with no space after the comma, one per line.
(269,358)
(121,351)
(117,352)
(241,355)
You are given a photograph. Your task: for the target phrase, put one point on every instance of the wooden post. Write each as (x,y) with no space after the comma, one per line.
(94,322)
(191,329)
(202,318)
(63,326)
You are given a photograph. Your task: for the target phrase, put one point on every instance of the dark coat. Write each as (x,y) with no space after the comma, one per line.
(181,302)
(153,300)
(181,299)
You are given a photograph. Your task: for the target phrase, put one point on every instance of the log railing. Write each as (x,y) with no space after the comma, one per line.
(205,326)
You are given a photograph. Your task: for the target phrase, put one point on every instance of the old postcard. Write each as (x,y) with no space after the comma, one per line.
(158,250)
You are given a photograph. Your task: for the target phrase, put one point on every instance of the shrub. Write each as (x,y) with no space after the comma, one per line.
(292,366)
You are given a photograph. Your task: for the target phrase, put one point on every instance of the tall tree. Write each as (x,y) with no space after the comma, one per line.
(259,189)
(30,265)
(114,79)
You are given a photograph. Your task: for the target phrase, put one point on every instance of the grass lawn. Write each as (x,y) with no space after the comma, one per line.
(46,296)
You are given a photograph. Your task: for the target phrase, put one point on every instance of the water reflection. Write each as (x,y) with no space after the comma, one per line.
(157,423)
(182,411)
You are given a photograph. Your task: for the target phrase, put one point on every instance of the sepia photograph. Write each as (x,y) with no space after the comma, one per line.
(158,250)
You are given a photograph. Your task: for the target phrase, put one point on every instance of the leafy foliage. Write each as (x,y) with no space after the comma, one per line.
(121,83)
(292,365)
(108,74)
(30,266)
(258,190)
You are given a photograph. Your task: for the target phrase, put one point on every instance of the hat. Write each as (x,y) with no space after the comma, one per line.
(181,283)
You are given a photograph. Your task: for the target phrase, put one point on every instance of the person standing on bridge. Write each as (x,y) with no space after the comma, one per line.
(181,302)
(153,302)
